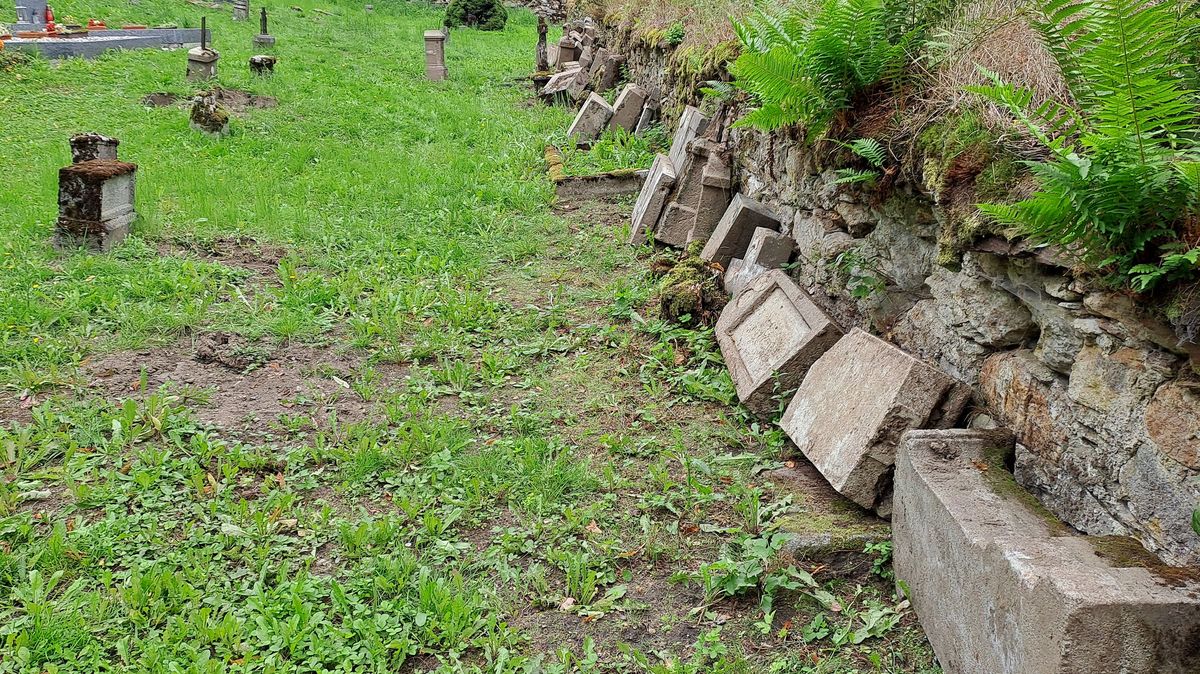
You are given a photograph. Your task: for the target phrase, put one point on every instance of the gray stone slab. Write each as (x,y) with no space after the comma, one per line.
(628,108)
(1001,586)
(856,402)
(716,182)
(592,119)
(646,120)
(560,85)
(701,195)
(740,275)
(691,124)
(99,42)
(652,199)
(770,335)
(735,229)
(769,249)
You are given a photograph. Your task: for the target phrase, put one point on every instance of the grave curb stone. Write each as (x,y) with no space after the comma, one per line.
(760,309)
(1000,585)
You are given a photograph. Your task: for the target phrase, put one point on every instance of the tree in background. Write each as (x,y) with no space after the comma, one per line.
(481,14)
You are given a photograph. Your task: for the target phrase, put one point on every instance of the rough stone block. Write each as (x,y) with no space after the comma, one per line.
(856,402)
(202,63)
(769,248)
(592,119)
(691,124)
(770,335)
(628,108)
(700,197)
(1000,585)
(609,72)
(435,55)
(652,199)
(735,229)
(559,87)
(88,146)
(95,203)
(262,64)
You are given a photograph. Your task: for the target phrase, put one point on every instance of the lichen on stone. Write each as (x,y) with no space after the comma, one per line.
(688,291)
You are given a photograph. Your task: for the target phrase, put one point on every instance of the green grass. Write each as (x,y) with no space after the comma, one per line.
(489,456)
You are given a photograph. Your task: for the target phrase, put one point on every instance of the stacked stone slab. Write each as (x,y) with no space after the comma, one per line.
(95,203)
(771,335)
(767,250)
(591,121)
(1001,586)
(732,235)
(652,200)
(692,123)
(628,108)
(853,406)
(88,146)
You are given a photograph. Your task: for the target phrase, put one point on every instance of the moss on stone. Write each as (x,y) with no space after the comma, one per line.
(688,290)
(1123,552)
(1002,483)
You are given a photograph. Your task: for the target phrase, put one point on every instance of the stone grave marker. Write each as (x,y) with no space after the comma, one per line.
(264,38)
(435,55)
(692,123)
(88,146)
(768,250)
(95,203)
(1000,585)
(700,198)
(262,64)
(735,229)
(202,61)
(854,404)
(628,108)
(208,116)
(652,199)
(567,50)
(561,86)
(241,10)
(591,121)
(610,71)
(646,120)
(541,57)
(771,335)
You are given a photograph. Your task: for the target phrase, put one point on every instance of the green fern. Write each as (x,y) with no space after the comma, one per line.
(869,149)
(803,68)
(1123,174)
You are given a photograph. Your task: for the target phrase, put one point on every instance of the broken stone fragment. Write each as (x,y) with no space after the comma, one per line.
(628,108)
(591,121)
(735,229)
(692,123)
(652,199)
(209,116)
(1000,585)
(261,64)
(854,404)
(95,204)
(88,146)
(770,335)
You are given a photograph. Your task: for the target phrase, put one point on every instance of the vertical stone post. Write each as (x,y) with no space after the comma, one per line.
(88,146)
(263,39)
(241,10)
(542,56)
(435,55)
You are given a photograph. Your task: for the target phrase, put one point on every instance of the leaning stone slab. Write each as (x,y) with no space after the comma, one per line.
(691,124)
(592,119)
(854,405)
(628,108)
(95,203)
(735,229)
(700,197)
(770,335)
(1001,586)
(767,250)
(652,199)
(717,183)
(559,86)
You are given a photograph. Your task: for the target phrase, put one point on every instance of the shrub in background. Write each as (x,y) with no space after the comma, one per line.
(1120,189)
(481,14)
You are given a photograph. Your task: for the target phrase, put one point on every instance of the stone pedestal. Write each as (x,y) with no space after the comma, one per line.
(435,55)
(202,64)
(1000,585)
(241,10)
(263,40)
(88,146)
(262,64)
(95,204)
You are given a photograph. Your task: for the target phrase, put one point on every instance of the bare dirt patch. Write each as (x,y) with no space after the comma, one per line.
(236,100)
(251,387)
(262,260)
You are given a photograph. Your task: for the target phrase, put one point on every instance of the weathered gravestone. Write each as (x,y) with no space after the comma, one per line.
(241,10)
(567,50)
(202,61)
(628,108)
(647,119)
(88,146)
(856,402)
(541,56)
(95,203)
(732,234)
(435,55)
(262,64)
(768,250)
(701,195)
(1001,586)
(562,86)
(692,123)
(652,199)
(591,121)
(208,116)
(771,335)
(606,76)
(264,38)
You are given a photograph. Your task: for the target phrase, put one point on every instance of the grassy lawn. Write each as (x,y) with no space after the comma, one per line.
(359,396)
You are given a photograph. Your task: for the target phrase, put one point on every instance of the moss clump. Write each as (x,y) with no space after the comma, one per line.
(1001,481)
(481,14)
(688,292)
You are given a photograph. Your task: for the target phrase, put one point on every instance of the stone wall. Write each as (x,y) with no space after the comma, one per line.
(1105,404)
